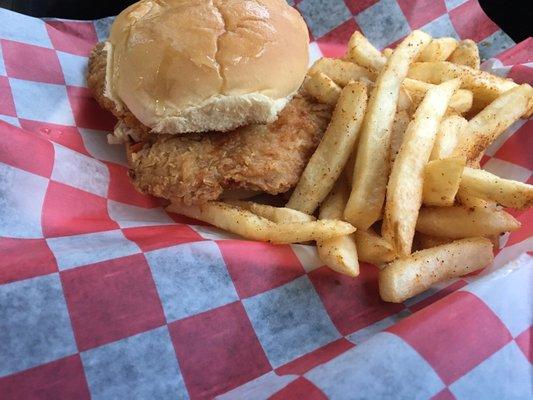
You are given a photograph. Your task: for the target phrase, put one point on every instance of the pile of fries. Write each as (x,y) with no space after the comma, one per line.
(396,180)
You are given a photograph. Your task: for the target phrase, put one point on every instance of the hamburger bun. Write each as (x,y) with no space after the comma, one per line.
(199,65)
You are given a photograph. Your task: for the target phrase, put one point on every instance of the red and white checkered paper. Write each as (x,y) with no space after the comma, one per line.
(103,295)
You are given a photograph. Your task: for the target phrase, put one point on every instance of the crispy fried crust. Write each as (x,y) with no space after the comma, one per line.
(195,168)
(198,168)
(96,78)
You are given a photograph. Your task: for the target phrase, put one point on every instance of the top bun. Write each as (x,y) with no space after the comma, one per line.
(206,65)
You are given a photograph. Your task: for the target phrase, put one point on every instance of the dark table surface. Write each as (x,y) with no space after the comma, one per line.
(514,17)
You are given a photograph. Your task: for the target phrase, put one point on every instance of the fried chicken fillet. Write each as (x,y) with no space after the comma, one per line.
(196,168)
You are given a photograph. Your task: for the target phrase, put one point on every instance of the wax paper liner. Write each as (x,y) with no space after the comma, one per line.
(104,295)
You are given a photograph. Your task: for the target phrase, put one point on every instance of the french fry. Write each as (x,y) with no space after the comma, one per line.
(450,129)
(438,71)
(404,101)
(467,53)
(322,88)
(439,49)
(246,224)
(468,201)
(486,126)
(331,155)
(427,241)
(338,253)
(404,191)
(387,52)
(401,120)
(372,162)
(409,276)
(441,181)
(486,87)
(461,222)
(362,52)
(495,240)
(279,215)
(476,162)
(372,248)
(484,185)
(475,202)
(341,72)
(348,170)
(417,89)
(460,102)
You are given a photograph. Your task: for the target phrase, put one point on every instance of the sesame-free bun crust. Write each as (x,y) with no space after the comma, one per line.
(192,66)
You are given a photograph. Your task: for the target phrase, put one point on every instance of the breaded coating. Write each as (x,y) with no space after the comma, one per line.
(196,168)
(199,167)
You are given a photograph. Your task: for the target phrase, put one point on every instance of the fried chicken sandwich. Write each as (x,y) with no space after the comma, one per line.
(206,94)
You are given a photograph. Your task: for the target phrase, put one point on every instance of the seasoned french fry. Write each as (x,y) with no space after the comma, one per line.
(438,71)
(404,191)
(450,129)
(441,181)
(329,159)
(404,101)
(387,52)
(372,162)
(281,215)
(362,52)
(508,193)
(476,162)
(245,223)
(348,170)
(401,120)
(427,241)
(372,248)
(409,276)
(486,87)
(468,201)
(333,205)
(417,88)
(494,120)
(495,240)
(340,71)
(439,49)
(338,253)
(460,102)
(461,222)
(467,53)
(322,88)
